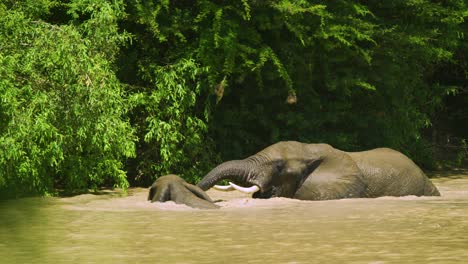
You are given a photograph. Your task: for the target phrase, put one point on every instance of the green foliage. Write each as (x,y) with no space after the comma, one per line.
(361,73)
(355,74)
(62,105)
(171,132)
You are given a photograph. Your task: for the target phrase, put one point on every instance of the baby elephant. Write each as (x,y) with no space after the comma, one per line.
(173,188)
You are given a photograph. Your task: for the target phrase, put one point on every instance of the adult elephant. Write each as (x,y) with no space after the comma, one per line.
(173,188)
(321,172)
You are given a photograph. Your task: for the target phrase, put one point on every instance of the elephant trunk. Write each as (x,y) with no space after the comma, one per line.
(236,170)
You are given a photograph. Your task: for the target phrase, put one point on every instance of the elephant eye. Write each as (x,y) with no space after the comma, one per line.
(279,166)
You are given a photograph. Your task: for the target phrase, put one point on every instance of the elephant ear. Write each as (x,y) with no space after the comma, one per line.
(337,177)
(160,193)
(197,191)
(195,197)
(151,193)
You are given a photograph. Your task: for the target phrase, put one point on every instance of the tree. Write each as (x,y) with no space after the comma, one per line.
(62,111)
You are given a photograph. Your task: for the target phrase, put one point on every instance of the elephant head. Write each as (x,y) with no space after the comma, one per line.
(173,188)
(291,169)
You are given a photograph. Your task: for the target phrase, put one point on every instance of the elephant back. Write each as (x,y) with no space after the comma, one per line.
(388,172)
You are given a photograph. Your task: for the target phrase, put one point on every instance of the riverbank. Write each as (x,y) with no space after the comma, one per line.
(453,172)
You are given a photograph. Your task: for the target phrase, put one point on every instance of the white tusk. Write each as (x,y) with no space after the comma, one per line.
(249,190)
(224,188)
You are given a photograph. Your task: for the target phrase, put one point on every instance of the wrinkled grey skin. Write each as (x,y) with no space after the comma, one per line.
(173,188)
(321,172)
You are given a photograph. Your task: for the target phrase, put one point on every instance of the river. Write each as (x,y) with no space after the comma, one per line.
(115,228)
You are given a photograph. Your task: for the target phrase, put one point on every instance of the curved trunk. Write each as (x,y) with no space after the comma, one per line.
(236,170)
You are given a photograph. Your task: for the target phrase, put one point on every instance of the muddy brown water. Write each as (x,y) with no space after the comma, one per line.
(116,228)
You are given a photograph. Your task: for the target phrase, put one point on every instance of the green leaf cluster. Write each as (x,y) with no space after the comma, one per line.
(171,130)
(62,107)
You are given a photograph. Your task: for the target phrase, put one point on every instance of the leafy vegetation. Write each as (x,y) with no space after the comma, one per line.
(101,92)
(62,110)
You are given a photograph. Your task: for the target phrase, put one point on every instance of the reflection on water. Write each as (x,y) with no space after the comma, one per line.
(112,228)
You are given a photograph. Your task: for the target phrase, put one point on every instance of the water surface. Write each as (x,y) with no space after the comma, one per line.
(116,228)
